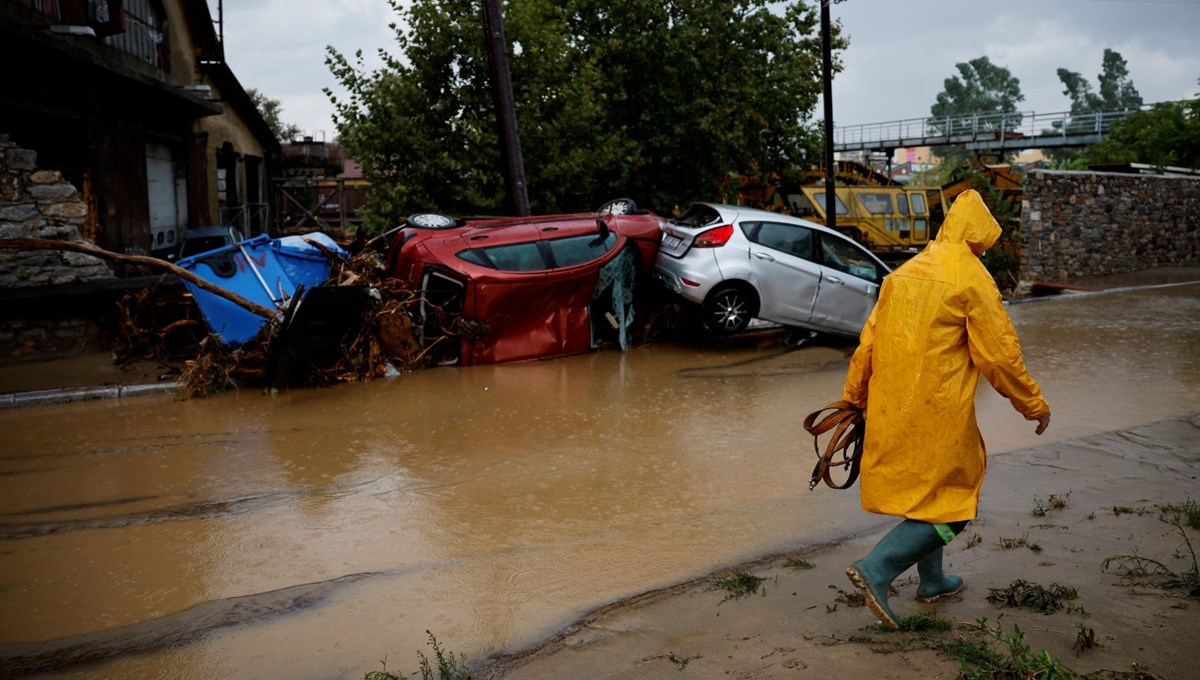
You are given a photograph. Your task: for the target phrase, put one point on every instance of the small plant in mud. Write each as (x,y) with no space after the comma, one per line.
(1188,511)
(851,599)
(918,623)
(979,661)
(1055,502)
(1022,542)
(990,653)
(1119,510)
(798,564)
(1022,593)
(448,666)
(737,583)
(1136,672)
(973,540)
(1085,638)
(1135,569)
(680,661)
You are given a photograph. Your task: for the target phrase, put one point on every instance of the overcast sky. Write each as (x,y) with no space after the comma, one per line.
(900,52)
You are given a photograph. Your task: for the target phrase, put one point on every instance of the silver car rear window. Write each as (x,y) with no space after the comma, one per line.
(697,216)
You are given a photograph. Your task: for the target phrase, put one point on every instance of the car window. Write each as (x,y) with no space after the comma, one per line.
(697,215)
(847,257)
(517,257)
(568,252)
(789,238)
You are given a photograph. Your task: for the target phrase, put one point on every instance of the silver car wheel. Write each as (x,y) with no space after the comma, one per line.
(431,221)
(619,206)
(729,311)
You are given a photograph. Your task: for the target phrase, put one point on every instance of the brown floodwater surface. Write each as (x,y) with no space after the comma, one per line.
(313,533)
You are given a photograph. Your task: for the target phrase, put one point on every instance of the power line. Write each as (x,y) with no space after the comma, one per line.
(1151,2)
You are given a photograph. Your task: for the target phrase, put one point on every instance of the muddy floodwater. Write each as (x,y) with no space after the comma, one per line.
(313,533)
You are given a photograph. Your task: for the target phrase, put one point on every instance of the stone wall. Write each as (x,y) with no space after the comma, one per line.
(36,322)
(1077,224)
(40,204)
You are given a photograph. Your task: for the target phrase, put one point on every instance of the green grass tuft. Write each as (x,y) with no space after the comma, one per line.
(798,564)
(737,583)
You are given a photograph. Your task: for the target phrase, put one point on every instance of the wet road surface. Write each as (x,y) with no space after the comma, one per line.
(311,534)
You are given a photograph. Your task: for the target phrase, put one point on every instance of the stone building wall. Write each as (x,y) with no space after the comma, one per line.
(34,322)
(1077,224)
(40,204)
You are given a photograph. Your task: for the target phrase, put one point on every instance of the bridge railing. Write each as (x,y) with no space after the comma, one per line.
(973,127)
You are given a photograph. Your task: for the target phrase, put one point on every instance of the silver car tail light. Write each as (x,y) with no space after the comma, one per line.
(713,238)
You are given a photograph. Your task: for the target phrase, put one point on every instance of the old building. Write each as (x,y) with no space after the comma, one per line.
(131,103)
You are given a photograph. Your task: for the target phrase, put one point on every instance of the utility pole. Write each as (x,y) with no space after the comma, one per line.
(221,28)
(506,116)
(827,77)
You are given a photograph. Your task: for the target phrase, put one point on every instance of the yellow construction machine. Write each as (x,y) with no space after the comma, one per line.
(872,208)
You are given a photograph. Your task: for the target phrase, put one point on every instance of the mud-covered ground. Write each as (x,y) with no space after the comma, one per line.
(1053,515)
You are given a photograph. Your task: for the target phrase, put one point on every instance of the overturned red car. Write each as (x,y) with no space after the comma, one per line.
(527,287)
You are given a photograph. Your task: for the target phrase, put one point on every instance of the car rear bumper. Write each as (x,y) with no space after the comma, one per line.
(674,279)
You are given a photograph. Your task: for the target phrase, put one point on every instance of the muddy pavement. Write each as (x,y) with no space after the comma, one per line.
(312,534)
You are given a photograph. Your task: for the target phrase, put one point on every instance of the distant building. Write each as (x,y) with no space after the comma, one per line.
(320,187)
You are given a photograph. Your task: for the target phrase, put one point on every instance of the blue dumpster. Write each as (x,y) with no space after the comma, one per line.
(250,269)
(261,269)
(303,262)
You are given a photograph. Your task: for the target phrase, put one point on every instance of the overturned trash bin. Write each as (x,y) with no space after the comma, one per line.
(260,269)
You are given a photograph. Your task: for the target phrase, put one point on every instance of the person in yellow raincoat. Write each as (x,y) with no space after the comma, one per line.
(938,324)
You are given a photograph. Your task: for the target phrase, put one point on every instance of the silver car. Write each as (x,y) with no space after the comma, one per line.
(740,263)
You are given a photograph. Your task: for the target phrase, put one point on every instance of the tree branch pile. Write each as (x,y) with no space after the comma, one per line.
(374,337)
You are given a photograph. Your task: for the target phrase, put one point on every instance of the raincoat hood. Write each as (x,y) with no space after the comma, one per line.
(969,221)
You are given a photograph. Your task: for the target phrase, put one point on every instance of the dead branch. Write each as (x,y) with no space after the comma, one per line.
(152,262)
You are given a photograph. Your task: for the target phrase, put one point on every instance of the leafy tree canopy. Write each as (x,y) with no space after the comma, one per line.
(652,100)
(1166,135)
(982,88)
(1117,92)
(271,111)
(972,101)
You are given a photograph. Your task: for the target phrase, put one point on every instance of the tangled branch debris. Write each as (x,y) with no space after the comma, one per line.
(369,333)
(366,330)
(1022,593)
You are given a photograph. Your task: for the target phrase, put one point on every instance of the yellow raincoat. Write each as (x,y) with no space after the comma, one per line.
(939,323)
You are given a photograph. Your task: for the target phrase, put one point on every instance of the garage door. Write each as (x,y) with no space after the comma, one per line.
(167,197)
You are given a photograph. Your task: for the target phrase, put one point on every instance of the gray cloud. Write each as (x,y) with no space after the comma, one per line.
(900,52)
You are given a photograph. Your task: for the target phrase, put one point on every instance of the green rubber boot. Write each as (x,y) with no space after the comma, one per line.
(934,584)
(901,548)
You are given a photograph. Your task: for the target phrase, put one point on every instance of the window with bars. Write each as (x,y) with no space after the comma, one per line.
(144,36)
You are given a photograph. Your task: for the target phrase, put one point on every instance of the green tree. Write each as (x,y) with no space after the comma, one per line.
(1166,135)
(1079,90)
(974,98)
(1117,94)
(983,97)
(656,101)
(1117,91)
(270,109)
